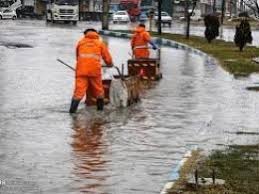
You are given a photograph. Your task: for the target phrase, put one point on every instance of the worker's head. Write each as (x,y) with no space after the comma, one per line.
(89,30)
(142,25)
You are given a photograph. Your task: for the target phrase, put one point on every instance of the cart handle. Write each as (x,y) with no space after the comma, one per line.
(148,47)
(72,68)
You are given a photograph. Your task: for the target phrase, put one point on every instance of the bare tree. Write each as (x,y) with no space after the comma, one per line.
(253,5)
(189,9)
(105,15)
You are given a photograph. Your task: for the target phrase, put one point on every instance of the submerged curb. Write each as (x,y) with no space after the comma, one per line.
(163,42)
(175,174)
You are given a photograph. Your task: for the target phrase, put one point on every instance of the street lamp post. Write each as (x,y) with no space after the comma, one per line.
(159,27)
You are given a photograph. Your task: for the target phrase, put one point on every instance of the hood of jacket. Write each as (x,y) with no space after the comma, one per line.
(139,29)
(92,35)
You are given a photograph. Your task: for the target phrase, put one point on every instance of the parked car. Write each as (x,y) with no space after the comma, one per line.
(121,16)
(26,11)
(165,18)
(8,14)
(196,16)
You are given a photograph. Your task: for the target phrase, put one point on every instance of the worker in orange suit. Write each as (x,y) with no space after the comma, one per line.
(89,52)
(140,41)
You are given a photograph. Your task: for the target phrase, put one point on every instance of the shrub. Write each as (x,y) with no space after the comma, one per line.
(212,27)
(243,34)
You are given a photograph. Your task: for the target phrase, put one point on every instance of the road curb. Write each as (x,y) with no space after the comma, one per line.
(175,174)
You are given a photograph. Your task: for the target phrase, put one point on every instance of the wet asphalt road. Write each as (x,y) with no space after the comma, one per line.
(131,151)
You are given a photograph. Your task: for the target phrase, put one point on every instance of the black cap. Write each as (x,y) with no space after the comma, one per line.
(89,30)
(142,25)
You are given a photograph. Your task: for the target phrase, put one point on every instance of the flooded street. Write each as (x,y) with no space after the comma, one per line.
(126,151)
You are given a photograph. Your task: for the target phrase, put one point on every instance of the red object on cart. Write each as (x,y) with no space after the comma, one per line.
(145,68)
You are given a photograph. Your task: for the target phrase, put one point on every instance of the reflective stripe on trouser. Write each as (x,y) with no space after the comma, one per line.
(82,84)
(140,47)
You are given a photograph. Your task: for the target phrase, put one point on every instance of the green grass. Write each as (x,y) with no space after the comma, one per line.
(237,165)
(228,55)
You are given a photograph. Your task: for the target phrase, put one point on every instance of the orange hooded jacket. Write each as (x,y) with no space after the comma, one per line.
(139,43)
(89,52)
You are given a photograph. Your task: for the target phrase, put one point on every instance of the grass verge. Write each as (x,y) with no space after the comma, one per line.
(237,165)
(231,59)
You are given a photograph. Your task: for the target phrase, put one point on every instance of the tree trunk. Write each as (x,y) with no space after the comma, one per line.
(105,18)
(187,17)
(188,26)
(79,10)
(223,11)
(257,8)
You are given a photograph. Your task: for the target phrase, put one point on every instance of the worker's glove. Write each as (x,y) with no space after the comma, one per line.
(154,47)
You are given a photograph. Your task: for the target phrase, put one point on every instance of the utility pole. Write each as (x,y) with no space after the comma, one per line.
(105,15)
(79,9)
(159,27)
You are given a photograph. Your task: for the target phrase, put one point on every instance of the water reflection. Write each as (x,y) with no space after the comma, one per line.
(89,147)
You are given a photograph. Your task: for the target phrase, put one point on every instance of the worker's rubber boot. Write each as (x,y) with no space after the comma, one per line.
(74,105)
(100,103)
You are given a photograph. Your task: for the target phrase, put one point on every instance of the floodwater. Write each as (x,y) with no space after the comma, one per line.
(125,151)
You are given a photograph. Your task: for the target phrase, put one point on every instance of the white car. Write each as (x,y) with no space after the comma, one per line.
(165,18)
(8,14)
(196,15)
(121,16)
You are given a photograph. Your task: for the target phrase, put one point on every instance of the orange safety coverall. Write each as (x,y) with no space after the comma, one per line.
(89,51)
(139,43)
